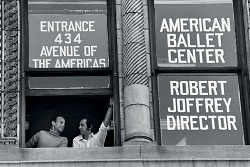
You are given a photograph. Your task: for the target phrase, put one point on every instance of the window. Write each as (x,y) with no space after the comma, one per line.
(199,86)
(69,64)
(68,35)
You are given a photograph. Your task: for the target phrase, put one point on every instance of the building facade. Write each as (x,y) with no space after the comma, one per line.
(178,71)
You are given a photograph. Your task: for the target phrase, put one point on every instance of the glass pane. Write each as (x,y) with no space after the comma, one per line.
(66,6)
(195,33)
(200,110)
(190,1)
(68,34)
(70,82)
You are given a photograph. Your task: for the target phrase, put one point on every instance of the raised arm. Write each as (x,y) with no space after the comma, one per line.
(109,113)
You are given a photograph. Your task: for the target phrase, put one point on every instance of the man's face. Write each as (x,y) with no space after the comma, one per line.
(59,124)
(83,127)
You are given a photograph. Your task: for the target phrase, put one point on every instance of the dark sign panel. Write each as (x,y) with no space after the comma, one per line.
(195,34)
(200,110)
(68,41)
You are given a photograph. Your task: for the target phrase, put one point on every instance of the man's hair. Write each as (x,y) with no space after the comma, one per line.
(90,123)
(54,118)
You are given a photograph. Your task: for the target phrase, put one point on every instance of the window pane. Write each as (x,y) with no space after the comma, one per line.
(66,34)
(195,33)
(66,6)
(200,110)
(190,1)
(71,82)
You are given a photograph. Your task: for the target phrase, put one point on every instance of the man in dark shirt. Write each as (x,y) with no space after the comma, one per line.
(43,139)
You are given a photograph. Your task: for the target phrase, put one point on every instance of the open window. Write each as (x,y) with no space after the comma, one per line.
(41,109)
(68,65)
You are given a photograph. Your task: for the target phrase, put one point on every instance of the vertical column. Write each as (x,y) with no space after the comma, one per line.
(1,54)
(247,4)
(10,73)
(135,79)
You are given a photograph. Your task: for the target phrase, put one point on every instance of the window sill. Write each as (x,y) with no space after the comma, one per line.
(124,154)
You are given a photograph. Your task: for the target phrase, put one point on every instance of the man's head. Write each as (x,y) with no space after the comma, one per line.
(85,127)
(58,123)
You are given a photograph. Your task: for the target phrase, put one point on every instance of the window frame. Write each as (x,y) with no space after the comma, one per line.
(241,71)
(106,71)
(110,72)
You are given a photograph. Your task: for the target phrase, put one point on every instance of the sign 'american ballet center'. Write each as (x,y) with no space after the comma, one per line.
(68,41)
(196,35)
(197,109)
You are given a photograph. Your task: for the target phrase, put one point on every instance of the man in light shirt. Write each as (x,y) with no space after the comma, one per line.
(87,138)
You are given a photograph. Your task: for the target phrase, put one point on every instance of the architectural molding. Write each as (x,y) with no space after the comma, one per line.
(10,72)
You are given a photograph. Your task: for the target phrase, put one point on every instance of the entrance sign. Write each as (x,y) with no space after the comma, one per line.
(200,110)
(195,33)
(68,41)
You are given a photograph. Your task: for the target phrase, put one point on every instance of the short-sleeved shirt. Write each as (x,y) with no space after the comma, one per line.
(44,139)
(94,140)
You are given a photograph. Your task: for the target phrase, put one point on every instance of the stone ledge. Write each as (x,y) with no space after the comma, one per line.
(203,152)
(133,153)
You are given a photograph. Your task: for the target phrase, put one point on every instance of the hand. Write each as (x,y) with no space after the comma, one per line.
(111,101)
(109,113)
